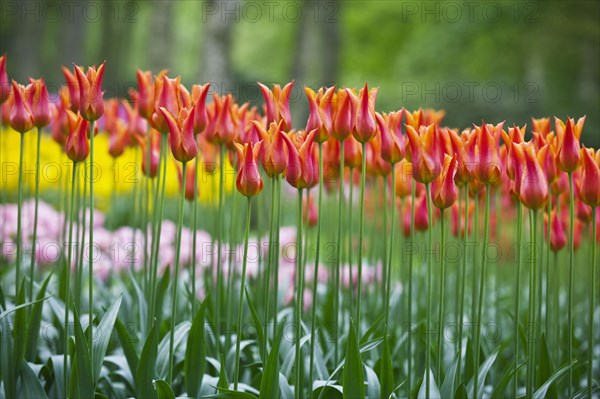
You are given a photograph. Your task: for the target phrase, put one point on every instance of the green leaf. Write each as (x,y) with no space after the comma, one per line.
(461,392)
(434,392)
(163,390)
(55,363)
(30,383)
(448,386)
(161,290)
(354,380)
(322,389)
(269,383)
(222,383)
(128,346)
(373,386)
(546,366)
(35,320)
(146,370)
(102,336)
(162,360)
(8,372)
(500,387)
(386,372)
(229,394)
(260,335)
(541,392)
(83,378)
(483,371)
(195,354)
(372,329)
(19,326)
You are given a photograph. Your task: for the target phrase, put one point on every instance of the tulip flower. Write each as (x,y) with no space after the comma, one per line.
(189,189)
(181,134)
(145,96)
(320,117)
(568,143)
(39,103)
(392,150)
(365,126)
(589,187)
(91,105)
(166,96)
(248,181)
(533,189)
(421,214)
(77,146)
(272,155)
(277,107)
(558,238)
(444,190)
(21,118)
(343,115)
(150,145)
(73,86)
(118,139)
(425,153)
(541,126)
(301,171)
(199,94)
(4,84)
(488,169)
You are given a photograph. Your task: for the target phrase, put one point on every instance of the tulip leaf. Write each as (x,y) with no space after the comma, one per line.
(83,377)
(259,330)
(146,370)
(483,371)
(102,336)
(543,390)
(269,384)
(386,370)
(354,380)
(35,321)
(434,392)
(30,383)
(163,390)
(195,353)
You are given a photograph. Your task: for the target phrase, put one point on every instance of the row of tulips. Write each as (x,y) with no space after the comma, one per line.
(430,168)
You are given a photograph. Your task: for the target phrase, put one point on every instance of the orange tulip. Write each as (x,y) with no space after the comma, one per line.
(421,216)
(154,142)
(425,154)
(73,86)
(166,96)
(403,183)
(272,153)
(558,237)
(364,122)
(569,156)
(488,169)
(392,150)
(352,153)
(533,189)
(547,159)
(248,182)
(190,177)
(277,104)
(343,115)
(589,187)
(541,126)
(444,189)
(320,117)
(36,94)
(181,134)
(77,146)
(4,85)
(91,105)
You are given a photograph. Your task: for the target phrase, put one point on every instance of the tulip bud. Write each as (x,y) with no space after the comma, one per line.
(301,170)
(39,103)
(190,177)
(77,146)
(150,152)
(145,94)
(181,134)
(277,107)
(20,118)
(547,160)
(589,189)
(342,120)
(421,215)
(117,139)
(404,177)
(73,86)
(445,192)
(248,181)
(319,118)
(91,105)
(488,169)
(364,123)
(424,153)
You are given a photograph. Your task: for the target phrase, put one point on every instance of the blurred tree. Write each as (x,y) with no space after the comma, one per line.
(215,57)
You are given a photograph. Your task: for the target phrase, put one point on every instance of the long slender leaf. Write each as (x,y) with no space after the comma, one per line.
(269,384)
(128,346)
(434,392)
(35,321)
(195,354)
(541,392)
(354,379)
(146,370)
(260,335)
(506,378)
(386,373)
(483,372)
(83,377)
(102,336)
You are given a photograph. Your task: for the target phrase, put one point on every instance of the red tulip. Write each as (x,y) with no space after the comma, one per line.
(569,156)
(301,170)
(4,85)
(136,124)
(277,104)
(223,123)
(558,237)
(444,190)
(21,118)
(421,216)
(311,215)
(146,95)
(91,105)
(154,142)
(60,120)
(77,146)
(547,159)
(248,182)
(404,177)
(364,122)
(166,96)
(118,139)
(181,134)
(199,94)
(589,188)
(352,153)
(272,155)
